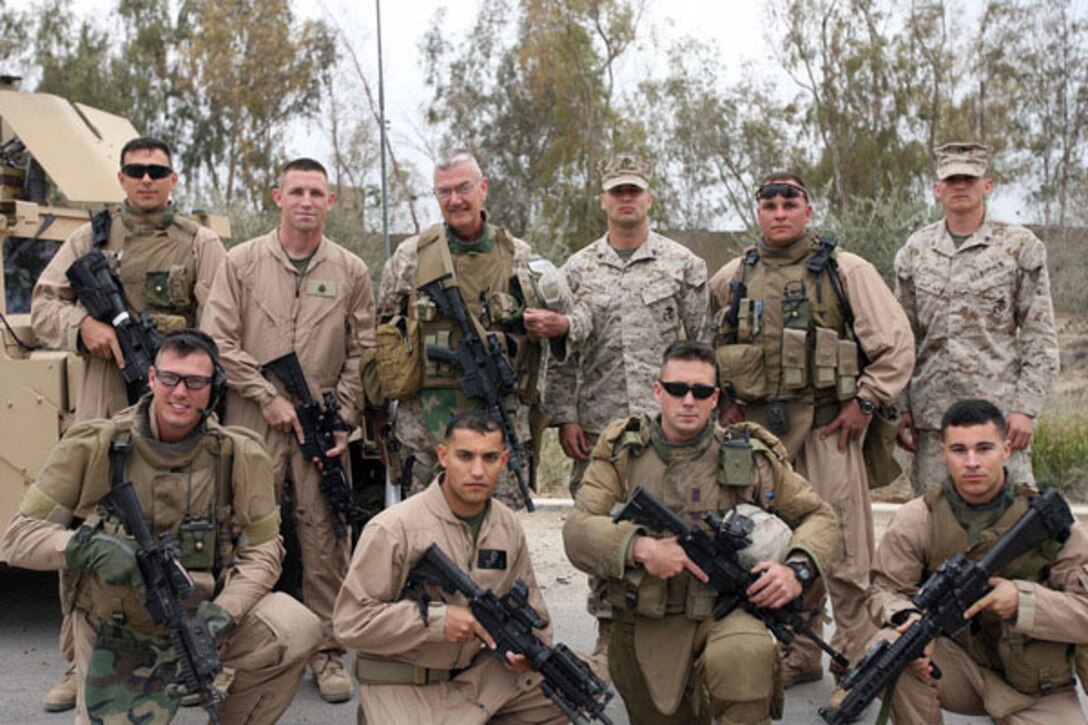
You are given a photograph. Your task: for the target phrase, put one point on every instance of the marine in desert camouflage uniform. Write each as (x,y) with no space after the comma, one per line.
(634,292)
(977,294)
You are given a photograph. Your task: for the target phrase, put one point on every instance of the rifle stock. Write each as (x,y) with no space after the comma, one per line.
(510,620)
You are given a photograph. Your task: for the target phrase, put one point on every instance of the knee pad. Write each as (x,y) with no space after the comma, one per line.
(739,666)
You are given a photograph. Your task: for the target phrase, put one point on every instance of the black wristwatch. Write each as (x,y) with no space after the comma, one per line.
(867,406)
(804,573)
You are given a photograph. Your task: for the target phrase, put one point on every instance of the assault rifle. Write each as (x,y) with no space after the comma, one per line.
(99,291)
(318,426)
(943,599)
(718,556)
(510,620)
(168,586)
(485,372)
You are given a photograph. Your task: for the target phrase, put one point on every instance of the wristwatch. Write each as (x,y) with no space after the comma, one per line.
(803,571)
(867,406)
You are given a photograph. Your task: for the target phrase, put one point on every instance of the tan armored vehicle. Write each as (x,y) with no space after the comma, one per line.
(58,164)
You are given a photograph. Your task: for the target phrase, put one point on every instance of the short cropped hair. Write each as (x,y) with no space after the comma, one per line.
(186,342)
(690,350)
(477,420)
(972,411)
(146,143)
(303,163)
(455,157)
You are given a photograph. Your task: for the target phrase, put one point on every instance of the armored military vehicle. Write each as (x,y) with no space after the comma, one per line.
(58,165)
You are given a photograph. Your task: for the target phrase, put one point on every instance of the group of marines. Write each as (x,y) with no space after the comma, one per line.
(766,385)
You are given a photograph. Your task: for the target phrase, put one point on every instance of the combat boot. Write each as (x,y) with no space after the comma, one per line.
(62,695)
(332,682)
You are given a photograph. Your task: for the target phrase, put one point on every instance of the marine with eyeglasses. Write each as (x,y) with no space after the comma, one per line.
(510,295)
(165,263)
(811,341)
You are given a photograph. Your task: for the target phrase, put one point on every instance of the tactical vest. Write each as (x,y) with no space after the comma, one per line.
(791,341)
(1031,666)
(493,296)
(186,493)
(157,270)
(716,474)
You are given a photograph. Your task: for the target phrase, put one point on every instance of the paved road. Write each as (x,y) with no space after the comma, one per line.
(30,617)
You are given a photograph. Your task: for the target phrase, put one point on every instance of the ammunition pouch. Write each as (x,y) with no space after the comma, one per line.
(647,596)
(742,373)
(794,359)
(847,383)
(1035,667)
(398,356)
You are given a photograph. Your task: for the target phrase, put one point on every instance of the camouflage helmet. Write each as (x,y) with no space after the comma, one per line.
(770,536)
(542,284)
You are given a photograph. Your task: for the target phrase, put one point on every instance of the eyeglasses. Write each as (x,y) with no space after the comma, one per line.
(192,382)
(680,390)
(156,171)
(785,190)
(462,189)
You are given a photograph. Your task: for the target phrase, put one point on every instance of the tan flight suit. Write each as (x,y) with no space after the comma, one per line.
(261,308)
(812,369)
(670,660)
(397,649)
(149,251)
(177,482)
(1053,609)
(166,263)
(494,273)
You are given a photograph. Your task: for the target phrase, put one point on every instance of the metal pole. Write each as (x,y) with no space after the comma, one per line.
(381,120)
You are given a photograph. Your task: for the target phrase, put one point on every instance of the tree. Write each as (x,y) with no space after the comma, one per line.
(538,109)
(246,70)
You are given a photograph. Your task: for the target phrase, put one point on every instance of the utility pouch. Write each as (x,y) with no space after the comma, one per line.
(400,371)
(878,451)
(168,289)
(741,371)
(166,323)
(196,539)
(794,359)
(825,358)
(745,330)
(847,384)
(735,462)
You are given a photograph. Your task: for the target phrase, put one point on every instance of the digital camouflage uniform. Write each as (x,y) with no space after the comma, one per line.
(1018,671)
(408,672)
(491,267)
(625,314)
(218,481)
(792,347)
(261,308)
(983,326)
(670,660)
(165,262)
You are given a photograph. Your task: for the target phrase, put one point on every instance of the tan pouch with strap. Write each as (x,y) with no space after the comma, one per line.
(399,358)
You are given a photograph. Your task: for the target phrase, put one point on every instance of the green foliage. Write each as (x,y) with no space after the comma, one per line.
(530,93)
(1060,453)
(15,32)
(876,228)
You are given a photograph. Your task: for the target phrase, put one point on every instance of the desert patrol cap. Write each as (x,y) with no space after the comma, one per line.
(962,159)
(625,169)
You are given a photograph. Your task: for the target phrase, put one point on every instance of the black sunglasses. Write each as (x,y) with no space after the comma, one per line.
(786,191)
(155,171)
(679,390)
(192,382)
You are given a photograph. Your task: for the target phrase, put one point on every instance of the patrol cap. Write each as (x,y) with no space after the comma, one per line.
(962,159)
(625,169)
